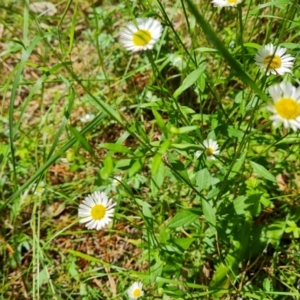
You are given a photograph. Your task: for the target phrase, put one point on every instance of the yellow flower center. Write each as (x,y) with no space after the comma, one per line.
(142,37)
(272,61)
(232,1)
(210,151)
(288,108)
(98,212)
(137,293)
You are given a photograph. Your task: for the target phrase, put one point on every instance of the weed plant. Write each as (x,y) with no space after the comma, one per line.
(194,141)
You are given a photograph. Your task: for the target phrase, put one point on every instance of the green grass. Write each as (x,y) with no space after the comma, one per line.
(186,227)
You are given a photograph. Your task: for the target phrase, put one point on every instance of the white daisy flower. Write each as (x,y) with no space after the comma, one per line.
(135,291)
(224,3)
(116,181)
(286,106)
(96,211)
(141,35)
(87,118)
(211,149)
(274,60)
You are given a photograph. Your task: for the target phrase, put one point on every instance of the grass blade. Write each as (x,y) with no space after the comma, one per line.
(219,45)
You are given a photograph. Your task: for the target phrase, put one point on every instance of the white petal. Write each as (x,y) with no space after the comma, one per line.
(150,24)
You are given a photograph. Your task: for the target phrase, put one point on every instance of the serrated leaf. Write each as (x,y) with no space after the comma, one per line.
(267,285)
(262,171)
(183,218)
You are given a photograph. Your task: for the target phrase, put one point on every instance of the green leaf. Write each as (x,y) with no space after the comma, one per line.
(138,129)
(108,167)
(237,166)
(158,174)
(183,243)
(272,233)
(220,278)
(267,285)
(136,167)
(183,218)
(262,171)
(202,179)
(186,129)
(164,147)
(205,49)
(210,215)
(160,122)
(116,148)
(248,45)
(87,257)
(81,139)
(164,235)
(189,81)
(156,269)
(43,276)
(290,45)
(156,163)
(240,205)
(255,207)
(186,146)
(178,168)
(146,208)
(233,132)
(213,193)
